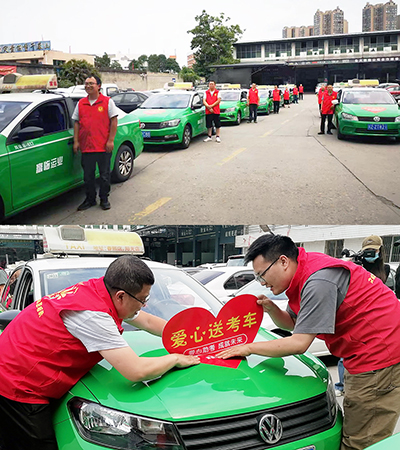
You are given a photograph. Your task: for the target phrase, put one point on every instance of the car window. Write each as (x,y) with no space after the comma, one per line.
(205,276)
(197,101)
(238,280)
(167,101)
(132,98)
(229,96)
(110,91)
(7,294)
(50,116)
(368,98)
(10,110)
(142,97)
(117,97)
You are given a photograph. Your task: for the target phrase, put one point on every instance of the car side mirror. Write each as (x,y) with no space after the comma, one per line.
(197,106)
(335,102)
(30,133)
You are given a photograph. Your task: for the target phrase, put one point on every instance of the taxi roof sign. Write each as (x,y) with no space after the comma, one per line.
(357,82)
(15,82)
(73,239)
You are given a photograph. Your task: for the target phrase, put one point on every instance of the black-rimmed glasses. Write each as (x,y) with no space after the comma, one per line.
(260,278)
(130,295)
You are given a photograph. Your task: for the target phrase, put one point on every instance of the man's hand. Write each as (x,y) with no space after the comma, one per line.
(210,108)
(238,350)
(266,303)
(186,360)
(109,146)
(76,147)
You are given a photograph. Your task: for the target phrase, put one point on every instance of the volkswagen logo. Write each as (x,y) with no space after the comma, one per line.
(270,428)
(377,119)
(142,125)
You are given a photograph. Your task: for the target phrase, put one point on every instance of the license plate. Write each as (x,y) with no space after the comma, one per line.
(376,126)
(146,134)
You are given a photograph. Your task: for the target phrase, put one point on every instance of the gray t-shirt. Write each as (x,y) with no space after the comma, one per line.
(113,111)
(321,296)
(96,330)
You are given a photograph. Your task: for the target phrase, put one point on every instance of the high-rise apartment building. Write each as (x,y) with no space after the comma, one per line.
(379,17)
(330,22)
(291,32)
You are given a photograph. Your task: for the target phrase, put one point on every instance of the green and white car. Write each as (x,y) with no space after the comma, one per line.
(37,161)
(266,104)
(233,105)
(266,403)
(366,112)
(171,117)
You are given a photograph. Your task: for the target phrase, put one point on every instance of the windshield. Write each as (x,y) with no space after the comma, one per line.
(256,288)
(368,98)
(166,101)
(173,290)
(229,96)
(263,94)
(10,110)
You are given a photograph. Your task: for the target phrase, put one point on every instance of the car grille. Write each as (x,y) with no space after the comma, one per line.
(385,132)
(151,126)
(299,420)
(371,119)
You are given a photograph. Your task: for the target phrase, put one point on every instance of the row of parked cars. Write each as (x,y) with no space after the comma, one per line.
(269,403)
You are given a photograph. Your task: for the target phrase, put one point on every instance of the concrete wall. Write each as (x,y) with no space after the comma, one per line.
(137,81)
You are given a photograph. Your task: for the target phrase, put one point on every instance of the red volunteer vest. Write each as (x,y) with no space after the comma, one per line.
(326,105)
(276,95)
(286,95)
(211,98)
(94,124)
(253,96)
(295,91)
(320,95)
(301,89)
(40,359)
(367,322)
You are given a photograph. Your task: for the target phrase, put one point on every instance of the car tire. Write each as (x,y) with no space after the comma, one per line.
(340,136)
(267,111)
(239,118)
(123,164)
(186,137)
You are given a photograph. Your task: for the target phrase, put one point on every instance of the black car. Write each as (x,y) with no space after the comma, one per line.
(129,101)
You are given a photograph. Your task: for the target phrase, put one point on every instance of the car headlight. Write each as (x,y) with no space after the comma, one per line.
(120,430)
(346,116)
(397,119)
(331,399)
(230,109)
(170,123)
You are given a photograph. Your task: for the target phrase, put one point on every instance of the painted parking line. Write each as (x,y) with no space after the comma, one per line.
(228,158)
(150,209)
(285,121)
(267,133)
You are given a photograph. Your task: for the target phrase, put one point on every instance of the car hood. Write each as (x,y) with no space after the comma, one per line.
(156,115)
(204,390)
(372,110)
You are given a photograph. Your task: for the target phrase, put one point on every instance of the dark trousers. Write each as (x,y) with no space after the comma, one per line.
(276,106)
(295,99)
(89,161)
(26,426)
(323,119)
(253,112)
(300,96)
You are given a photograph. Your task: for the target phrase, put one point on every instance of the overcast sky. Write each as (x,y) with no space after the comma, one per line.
(154,26)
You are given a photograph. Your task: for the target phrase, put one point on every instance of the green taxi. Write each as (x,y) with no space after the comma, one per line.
(171,117)
(366,112)
(266,104)
(233,105)
(276,403)
(37,161)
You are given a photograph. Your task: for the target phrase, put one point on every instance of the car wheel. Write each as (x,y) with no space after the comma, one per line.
(239,118)
(187,137)
(340,136)
(123,164)
(267,111)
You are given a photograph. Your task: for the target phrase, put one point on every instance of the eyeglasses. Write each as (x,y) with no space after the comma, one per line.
(130,295)
(90,84)
(260,278)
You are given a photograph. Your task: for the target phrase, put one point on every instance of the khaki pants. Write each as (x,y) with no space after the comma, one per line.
(371,407)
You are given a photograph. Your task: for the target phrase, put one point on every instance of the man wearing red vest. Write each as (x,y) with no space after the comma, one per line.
(286,97)
(55,341)
(301,92)
(295,95)
(211,101)
(356,315)
(327,109)
(95,127)
(320,95)
(276,98)
(253,101)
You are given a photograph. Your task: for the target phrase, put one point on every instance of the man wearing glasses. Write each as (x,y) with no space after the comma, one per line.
(95,127)
(356,315)
(54,342)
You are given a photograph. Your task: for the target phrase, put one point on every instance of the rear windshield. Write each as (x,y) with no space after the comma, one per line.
(10,110)
(368,98)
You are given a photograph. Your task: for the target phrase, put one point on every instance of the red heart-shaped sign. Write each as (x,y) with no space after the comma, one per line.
(196,331)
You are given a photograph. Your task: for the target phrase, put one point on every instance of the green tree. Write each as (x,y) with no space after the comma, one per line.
(102,61)
(172,66)
(75,72)
(188,75)
(153,63)
(213,42)
(116,65)
(141,61)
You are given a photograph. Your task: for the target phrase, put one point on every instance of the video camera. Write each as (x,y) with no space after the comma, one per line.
(359,256)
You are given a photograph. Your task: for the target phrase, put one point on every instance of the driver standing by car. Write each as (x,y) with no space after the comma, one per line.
(327,109)
(95,127)
(55,341)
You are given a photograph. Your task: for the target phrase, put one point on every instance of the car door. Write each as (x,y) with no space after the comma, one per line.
(43,165)
(198,115)
(243,104)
